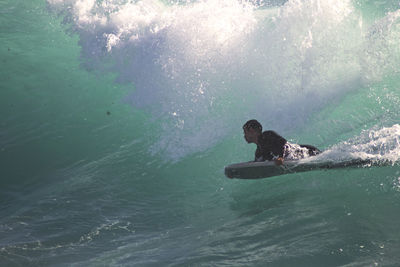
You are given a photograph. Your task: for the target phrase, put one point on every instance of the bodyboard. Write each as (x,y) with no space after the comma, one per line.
(265,169)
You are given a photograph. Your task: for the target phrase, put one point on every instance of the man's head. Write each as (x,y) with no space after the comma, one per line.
(252,129)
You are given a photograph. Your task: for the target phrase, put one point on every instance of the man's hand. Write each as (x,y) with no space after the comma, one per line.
(279,161)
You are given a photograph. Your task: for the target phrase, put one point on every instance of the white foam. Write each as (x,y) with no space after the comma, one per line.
(204,68)
(381,145)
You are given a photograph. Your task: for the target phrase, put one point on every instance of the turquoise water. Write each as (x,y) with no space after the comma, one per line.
(118,118)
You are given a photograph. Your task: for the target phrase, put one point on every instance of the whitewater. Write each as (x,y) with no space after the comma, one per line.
(119,116)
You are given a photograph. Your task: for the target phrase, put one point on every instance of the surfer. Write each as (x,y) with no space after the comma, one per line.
(272,146)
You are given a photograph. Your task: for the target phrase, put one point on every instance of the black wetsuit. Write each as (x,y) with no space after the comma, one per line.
(272,145)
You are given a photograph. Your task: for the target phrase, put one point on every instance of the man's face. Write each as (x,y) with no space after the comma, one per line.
(250,135)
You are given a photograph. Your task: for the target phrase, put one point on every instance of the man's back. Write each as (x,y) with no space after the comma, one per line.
(271,145)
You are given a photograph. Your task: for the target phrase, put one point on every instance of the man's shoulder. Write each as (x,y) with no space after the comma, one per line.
(270,133)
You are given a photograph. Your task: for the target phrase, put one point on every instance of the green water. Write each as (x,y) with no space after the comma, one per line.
(116,128)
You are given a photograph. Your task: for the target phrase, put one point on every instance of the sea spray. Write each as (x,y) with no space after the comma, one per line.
(203,68)
(381,146)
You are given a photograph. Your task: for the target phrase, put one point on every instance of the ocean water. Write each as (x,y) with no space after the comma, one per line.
(118,117)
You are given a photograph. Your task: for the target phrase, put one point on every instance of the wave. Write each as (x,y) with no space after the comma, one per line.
(202,68)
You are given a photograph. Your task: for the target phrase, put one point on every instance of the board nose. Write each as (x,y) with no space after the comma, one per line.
(229,173)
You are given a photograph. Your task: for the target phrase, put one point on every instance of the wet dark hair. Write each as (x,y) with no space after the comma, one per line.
(252,124)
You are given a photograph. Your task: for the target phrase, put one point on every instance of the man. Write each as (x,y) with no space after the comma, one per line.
(272,146)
